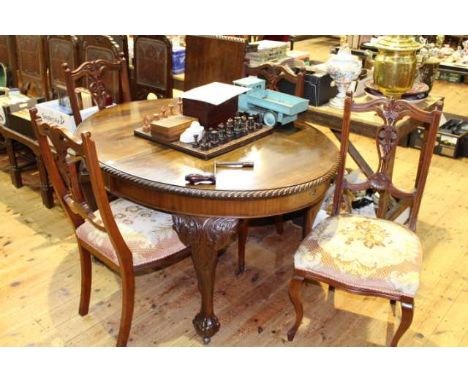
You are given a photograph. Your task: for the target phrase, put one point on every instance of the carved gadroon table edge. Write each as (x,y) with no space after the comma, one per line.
(222,194)
(205,236)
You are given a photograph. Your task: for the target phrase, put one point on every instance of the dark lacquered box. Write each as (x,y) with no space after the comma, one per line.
(210,115)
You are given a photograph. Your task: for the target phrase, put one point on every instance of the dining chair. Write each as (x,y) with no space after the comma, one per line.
(273,74)
(153,66)
(8,58)
(366,255)
(33,66)
(61,49)
(95,73)
(125,236)
(103,47)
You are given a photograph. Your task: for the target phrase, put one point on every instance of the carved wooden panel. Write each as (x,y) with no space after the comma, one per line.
(102,47)
(213,58)
(32,65)
(153,66)
(61,49)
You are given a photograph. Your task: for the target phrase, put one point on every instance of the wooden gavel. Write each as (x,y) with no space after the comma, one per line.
(194,179)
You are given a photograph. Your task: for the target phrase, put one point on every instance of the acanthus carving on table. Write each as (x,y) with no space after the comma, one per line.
(205,236)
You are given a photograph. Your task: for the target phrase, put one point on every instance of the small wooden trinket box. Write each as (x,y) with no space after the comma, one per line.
(169,129)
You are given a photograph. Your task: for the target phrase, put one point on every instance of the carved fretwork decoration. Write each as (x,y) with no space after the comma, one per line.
(273,74)
(94,71)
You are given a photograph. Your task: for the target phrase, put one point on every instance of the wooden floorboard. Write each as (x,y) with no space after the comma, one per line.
(39,277)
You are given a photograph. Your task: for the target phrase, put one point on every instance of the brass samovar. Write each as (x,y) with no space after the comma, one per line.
(395,64)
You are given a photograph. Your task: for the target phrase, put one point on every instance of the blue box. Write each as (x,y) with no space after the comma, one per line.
(178,60)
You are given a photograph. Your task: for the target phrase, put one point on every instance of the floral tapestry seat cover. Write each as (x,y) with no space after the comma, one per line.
(148,233)
(363,252)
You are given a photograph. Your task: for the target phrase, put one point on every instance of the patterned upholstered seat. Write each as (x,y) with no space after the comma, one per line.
(364,252)
(148,233)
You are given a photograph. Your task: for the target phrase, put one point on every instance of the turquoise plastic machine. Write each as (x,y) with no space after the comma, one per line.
(276,107)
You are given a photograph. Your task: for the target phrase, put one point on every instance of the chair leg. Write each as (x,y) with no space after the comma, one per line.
(47,192)
(15,172)
(407,310)
(85,260)
(279,224)
(295,286)
(128,301)
(242,240)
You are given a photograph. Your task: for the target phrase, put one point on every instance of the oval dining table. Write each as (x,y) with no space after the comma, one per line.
(292,171)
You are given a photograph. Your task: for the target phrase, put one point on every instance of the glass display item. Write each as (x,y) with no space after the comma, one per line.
(395,64)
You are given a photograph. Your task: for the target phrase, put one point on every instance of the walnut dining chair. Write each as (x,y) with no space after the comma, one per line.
(365,255)
(95,73)
(152,67)
(60,49)
(273,74)
(126,237)
(32,66)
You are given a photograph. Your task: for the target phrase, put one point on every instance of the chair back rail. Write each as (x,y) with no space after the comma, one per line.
(153,66)
(273,74)
(387,137)
(62,161)
(95,72)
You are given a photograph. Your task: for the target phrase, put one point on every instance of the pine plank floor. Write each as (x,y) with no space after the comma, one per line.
(39,277)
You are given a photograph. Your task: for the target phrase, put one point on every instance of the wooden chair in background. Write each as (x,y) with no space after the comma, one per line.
(102,47)
(364,255)
(61,49)
(272,74)
(213,58)
(122,42)
(8,58)
(32,66)
(125,236)
(153,66)
(95,73)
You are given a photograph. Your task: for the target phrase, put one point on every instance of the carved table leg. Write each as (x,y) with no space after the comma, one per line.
(205,236)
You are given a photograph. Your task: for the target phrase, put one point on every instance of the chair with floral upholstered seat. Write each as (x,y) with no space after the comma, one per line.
(366,255)
(125,236)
